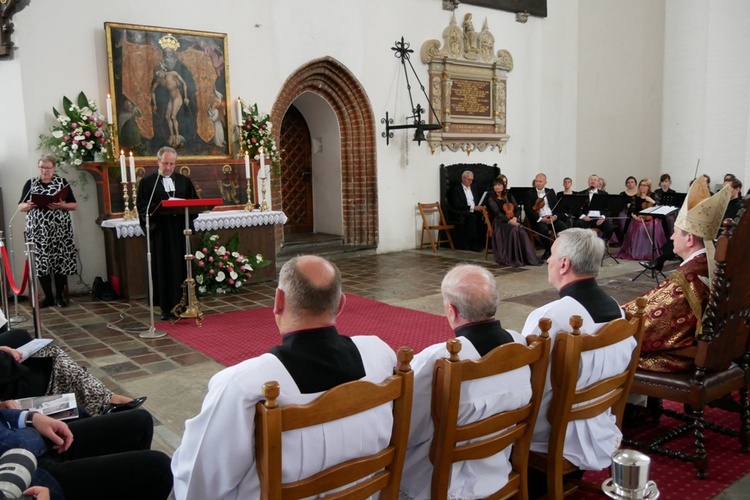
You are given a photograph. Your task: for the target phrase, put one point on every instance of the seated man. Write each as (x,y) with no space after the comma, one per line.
(217,456)
(595,220)
(470,301)
(675,307)
(464,206)
(100,457)
(537,205)
(572,270)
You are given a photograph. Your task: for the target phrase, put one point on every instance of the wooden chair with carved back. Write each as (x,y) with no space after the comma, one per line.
(358,478)
(488,238)
(721,354)
(570,404)
(430,211)
(453,443)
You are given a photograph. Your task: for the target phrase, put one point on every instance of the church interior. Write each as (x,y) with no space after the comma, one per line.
(353,140)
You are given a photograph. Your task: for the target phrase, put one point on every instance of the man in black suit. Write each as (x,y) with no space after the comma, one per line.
(463,201)
(542,220)
(599,221)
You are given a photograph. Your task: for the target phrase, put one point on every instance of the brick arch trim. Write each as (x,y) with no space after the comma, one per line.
(333,82)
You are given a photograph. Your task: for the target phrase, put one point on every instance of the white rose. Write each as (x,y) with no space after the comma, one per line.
(237,284)
(236,255)
(199,254)
(221,250)
(74,147)
(233,275)
(220,276)
(57,134)
(77,161)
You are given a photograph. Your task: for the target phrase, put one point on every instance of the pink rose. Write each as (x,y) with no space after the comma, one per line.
(210,259)
(205,250)
(211,272)
(221,264)
(231,281)
(91,118)
(74,125)
(98,133)
(230,269)
(75,142)
(102,140)
(247,127)
(201,263)
(87,133)
(225,258)
(248,275)
(253,140)
(99,124)
(66,138)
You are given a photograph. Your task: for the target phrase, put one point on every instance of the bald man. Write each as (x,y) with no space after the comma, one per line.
(217,456)
(470,300)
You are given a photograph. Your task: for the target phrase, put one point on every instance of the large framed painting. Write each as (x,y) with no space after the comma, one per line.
(169,87)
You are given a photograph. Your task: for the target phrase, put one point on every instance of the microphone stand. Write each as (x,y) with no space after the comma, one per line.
(151,333)
(15,319)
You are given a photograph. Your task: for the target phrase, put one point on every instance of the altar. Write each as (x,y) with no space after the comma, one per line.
(125,245)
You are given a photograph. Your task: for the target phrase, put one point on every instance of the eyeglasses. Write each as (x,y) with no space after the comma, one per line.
(46,168)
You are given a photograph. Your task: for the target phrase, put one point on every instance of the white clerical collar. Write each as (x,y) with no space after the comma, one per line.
(168,184)
(693,255)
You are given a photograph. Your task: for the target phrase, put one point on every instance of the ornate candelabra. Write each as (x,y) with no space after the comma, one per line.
(134,211)
(249,206)
(263,206)
(127,214)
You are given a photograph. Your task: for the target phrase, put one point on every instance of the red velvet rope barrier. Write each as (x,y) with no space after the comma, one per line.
(9,273)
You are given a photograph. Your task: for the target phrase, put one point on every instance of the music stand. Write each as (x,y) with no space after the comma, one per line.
(658,212)
(570,206)
(673,199)
(189,306)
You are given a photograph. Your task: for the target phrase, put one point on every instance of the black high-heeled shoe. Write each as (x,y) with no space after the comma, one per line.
(130,405)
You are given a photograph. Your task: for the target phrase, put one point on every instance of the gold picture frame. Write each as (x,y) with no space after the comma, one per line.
(169,87)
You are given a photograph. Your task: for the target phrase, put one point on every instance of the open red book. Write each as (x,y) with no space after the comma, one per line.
(44,200)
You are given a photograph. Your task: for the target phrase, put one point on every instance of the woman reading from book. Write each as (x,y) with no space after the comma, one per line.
(47,201)
(52,371)
(511,244)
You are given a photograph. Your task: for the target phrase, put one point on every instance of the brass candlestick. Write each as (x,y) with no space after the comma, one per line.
(134,212)
(249,206)
(111,141)
(126,214)
(263,205)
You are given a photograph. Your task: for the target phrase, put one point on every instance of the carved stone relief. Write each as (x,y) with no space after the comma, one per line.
(467,87)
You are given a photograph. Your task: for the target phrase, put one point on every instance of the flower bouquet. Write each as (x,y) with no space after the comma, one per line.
(222,269)
(255,133)
(80,133)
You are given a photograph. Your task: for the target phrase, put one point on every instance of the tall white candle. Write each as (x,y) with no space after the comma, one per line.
(122,167)
(132,167)
(262,164)
(109,110)
(247,165)
(239,110)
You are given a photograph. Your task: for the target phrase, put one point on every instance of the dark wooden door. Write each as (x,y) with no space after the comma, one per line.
(296,173)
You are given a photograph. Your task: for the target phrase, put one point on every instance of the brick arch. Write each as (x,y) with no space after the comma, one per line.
(333,82)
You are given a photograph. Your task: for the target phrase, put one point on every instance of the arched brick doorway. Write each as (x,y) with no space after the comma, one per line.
(333,82)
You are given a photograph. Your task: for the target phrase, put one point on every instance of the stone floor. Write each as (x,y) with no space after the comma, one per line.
(104,336)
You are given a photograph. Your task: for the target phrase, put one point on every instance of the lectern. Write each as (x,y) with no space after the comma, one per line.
(189,307)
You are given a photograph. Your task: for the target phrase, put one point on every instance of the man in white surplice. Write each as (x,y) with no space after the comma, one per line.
(216,458)
(572,270)
(470,301)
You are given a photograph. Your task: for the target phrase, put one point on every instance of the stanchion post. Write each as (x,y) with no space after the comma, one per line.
(33,290)
(4,284)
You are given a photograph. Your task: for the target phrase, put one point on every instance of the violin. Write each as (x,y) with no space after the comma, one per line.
(538,204)
(510,210)
(644,206)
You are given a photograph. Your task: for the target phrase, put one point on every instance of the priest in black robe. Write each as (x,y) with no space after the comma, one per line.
(167,238)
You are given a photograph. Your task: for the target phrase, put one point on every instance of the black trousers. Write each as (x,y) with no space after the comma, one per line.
(110,458)
(542,228)
(606,227)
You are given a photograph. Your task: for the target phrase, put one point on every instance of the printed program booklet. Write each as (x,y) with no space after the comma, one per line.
(31,348)
(58,406)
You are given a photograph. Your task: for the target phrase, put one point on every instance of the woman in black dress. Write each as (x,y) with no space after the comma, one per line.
(511,245)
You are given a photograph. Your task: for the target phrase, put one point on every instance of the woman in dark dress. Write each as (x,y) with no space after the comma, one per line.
(631,190)
(511,245)
(644,236)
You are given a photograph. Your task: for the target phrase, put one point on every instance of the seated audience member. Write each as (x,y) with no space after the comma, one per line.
(90,458)
(216,459)
(470,300)
(675,307)
(52,371)
(538,204)
(665,181)
(572,270)
(463,201)
(645,235)
(511,244)
(567,187)
(735,202)
(589,219)
(601,184)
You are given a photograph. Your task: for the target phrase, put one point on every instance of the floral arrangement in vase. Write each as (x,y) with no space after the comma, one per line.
(255,133)
(80,134)
(222,269)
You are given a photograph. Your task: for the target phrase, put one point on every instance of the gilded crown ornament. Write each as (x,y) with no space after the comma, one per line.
(169,42)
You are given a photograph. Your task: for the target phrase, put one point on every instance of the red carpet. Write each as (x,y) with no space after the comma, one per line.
(230,338)
(676,479)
